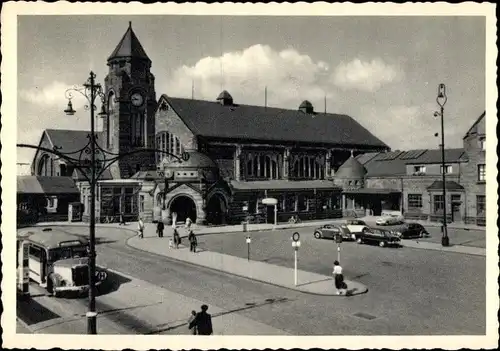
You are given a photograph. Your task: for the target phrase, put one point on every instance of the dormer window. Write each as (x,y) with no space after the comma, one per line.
(447,169)
(482,143)
(419,169)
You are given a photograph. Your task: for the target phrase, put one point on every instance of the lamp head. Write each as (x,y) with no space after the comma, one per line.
(441,98)
(103,112)
(69,109)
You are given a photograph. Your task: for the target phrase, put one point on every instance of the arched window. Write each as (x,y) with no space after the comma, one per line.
(110,119)
(274,169)
(168,142)
(45,166)
(138,137)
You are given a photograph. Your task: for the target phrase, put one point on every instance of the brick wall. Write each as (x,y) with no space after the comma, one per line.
(416,185)
(120,81)
(471,183)
(169,120)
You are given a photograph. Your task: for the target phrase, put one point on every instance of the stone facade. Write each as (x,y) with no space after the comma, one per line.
(474,144)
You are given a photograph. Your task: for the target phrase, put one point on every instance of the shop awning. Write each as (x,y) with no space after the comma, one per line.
(372,191)
(284,185)
(450,185)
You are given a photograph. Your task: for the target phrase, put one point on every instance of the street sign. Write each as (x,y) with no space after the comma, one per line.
(249,240)
(296,236)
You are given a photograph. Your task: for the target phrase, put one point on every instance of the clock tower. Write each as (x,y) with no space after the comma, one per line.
(131,100)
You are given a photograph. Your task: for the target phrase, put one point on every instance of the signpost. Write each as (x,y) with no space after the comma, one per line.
(338,240)
(249,240)
(296,245)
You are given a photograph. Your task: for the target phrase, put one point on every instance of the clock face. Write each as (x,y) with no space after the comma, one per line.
(137,99)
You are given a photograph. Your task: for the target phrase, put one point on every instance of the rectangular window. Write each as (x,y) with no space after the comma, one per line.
(35,252)
(447,169)
(438,203)
(414,200)
(302,203)
(482,143)
(177,146)
(141,203)
(481,173)
(481,205)
(289,203)
(456,198)
(419,169)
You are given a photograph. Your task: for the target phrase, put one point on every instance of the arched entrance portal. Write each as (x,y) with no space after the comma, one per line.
(185,207)
(216,210)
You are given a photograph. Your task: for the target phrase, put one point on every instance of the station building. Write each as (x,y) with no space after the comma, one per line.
(313,165)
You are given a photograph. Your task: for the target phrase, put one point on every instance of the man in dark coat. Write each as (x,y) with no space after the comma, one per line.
(159,228)
(192,241)
(203,322)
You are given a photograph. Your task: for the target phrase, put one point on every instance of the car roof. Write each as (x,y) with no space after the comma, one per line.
(51,239)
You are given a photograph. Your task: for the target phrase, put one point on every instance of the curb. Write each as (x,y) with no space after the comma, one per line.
(239,275)
(447,251)
(25,325)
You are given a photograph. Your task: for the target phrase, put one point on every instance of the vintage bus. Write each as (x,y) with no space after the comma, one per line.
(58,261)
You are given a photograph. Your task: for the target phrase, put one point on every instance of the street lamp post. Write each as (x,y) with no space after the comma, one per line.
(78,159)
(90,91)
(441,100)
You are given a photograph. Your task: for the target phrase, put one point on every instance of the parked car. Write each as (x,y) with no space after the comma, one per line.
(356,225)
(58,261)
(329,231)
(390,219)
(411,230)
(382,237)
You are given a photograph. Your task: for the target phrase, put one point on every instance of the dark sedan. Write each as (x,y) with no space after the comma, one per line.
(411,230)
(382,237)
(329,231)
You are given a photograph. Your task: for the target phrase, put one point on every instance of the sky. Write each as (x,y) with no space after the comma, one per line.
(382,71)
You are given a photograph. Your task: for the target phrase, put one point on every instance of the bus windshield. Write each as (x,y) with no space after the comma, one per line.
(67,252)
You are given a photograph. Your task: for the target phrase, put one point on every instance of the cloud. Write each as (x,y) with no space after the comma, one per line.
(289,75)
(405,127)
(364,75)
(52,94)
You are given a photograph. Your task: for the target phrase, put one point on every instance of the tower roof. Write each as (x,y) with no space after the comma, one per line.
(224,95)
(129,46)
(351,169)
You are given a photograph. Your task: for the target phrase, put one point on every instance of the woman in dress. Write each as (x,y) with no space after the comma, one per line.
(338,276)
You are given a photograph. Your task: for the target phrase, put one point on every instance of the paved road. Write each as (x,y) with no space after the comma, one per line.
(396,299)
(414,290)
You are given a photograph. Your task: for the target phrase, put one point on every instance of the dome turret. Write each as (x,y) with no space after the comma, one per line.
(225,98)
(351,169)
(306,107)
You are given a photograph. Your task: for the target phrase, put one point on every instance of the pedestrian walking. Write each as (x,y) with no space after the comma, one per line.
(177,238)
(122,219)
(188,224)
(339,278)
(203,322)
(140,227)
(159,228)
(194,329)
(193,242)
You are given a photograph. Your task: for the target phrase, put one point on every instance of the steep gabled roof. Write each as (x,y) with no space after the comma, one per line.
(71,140)
(211,119)
(475,124)
(129,46)
(46,185)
